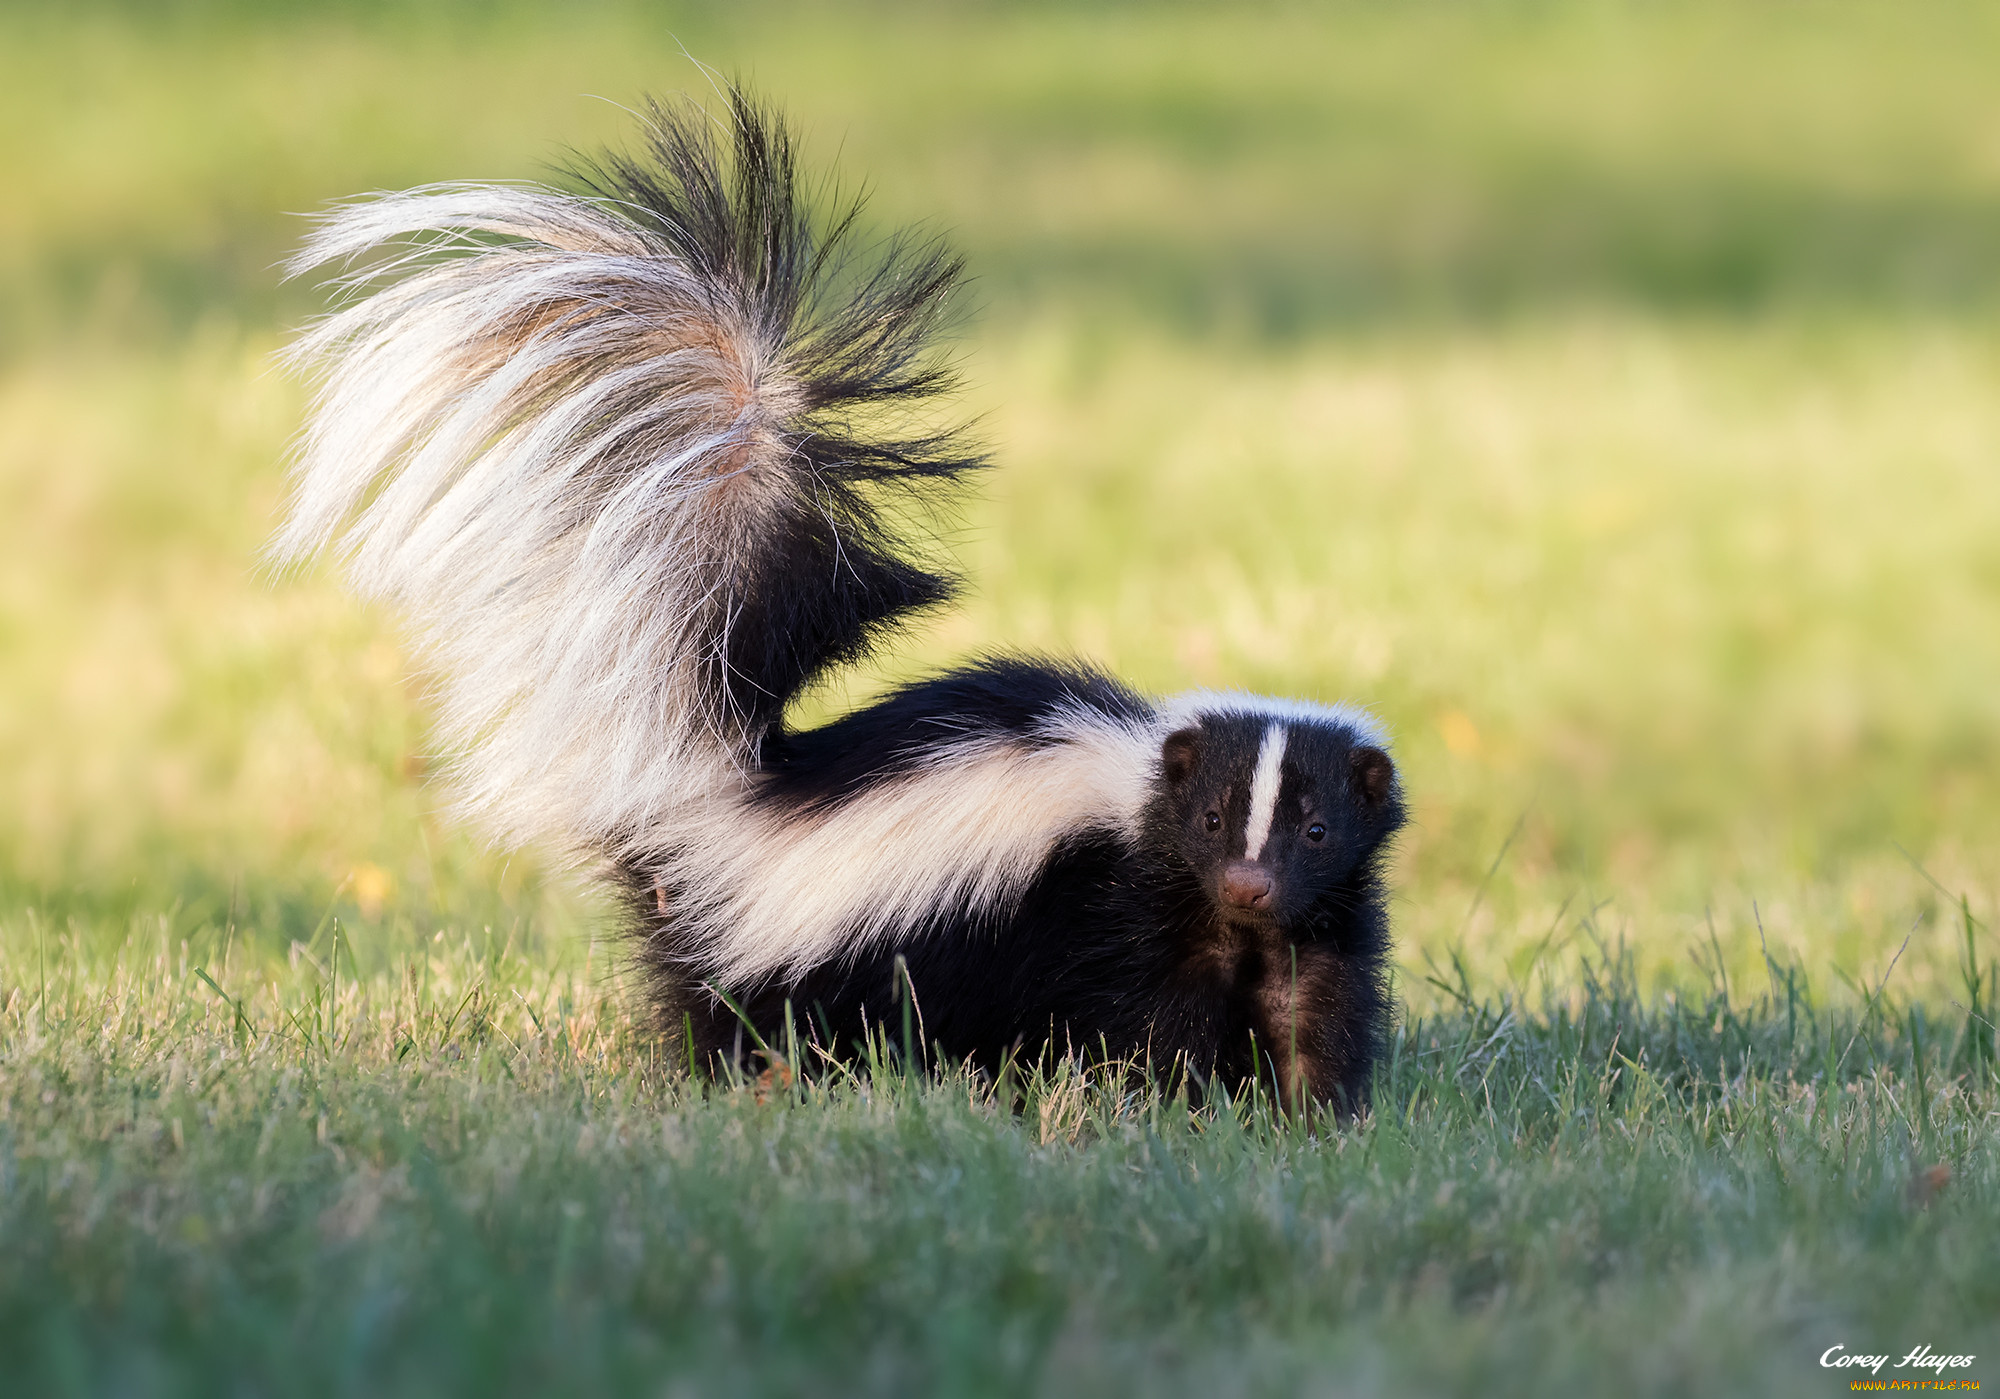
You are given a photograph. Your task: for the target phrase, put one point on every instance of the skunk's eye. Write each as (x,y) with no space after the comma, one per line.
(1212,821)
(1315,832)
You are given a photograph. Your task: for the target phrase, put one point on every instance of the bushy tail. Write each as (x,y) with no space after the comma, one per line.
(621,455)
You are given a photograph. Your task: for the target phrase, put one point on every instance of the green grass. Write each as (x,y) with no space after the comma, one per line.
(1607,394)
(470,1174)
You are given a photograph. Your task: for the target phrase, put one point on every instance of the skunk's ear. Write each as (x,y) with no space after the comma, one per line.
(1373,773)
(1177,755)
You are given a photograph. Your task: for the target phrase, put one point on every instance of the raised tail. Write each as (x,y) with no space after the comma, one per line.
(621,455)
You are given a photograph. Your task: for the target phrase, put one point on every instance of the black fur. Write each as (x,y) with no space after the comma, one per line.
(1120,950)
(1001,695)
(835,573)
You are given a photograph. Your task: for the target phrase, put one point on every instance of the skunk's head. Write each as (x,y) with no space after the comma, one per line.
(1277,808)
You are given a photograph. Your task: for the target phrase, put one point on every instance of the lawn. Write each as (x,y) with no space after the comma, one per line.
(1608,395)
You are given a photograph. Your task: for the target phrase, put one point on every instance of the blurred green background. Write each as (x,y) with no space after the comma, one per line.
(1607,394)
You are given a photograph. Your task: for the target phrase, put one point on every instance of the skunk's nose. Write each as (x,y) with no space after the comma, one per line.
(1245,885)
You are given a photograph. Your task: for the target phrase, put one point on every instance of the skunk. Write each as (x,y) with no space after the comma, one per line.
(644,460)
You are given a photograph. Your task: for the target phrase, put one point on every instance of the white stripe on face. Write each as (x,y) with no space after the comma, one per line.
(1264,792)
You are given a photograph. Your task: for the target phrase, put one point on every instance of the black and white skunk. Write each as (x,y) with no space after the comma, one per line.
(640,463)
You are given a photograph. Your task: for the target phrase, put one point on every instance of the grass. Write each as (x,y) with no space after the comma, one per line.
(1607,394)
(470,1174)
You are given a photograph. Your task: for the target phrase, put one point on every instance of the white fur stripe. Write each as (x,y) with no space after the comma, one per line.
(528,446)
(773,893)
(1264,792)
(1192,706)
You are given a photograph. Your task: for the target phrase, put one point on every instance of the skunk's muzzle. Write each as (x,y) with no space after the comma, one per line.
(1249,887)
